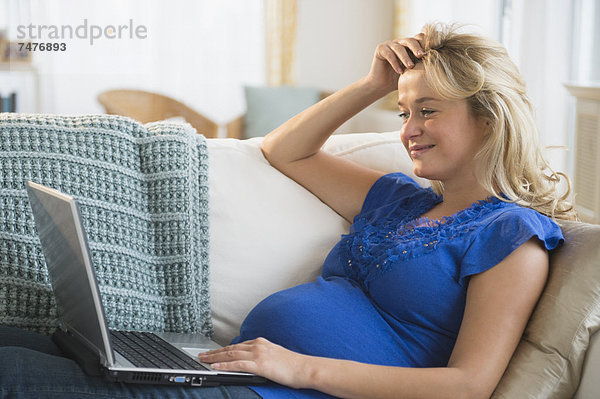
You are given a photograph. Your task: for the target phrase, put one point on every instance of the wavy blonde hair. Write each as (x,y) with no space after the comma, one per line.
(511,166)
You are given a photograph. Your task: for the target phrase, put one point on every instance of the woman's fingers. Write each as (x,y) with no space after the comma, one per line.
(242,351)
(227,353)
(396,52)
(402,47)
(420,38)
(401,52)
(385,51)
(394,57)
(244,366)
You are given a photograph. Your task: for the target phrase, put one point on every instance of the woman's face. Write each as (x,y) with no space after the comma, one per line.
(441,136)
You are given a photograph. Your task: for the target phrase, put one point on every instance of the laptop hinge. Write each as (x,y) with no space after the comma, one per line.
(76,350)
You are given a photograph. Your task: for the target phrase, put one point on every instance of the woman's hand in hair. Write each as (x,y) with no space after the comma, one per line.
(392,58)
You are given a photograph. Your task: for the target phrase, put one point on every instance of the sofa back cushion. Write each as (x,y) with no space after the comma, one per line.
(549,359)
(269,233)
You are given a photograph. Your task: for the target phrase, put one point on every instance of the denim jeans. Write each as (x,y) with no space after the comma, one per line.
(32,366)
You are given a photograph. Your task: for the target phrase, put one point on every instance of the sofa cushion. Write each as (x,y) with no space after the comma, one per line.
(256,210)
(549,358)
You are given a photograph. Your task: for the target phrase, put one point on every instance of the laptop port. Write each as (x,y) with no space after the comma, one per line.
(179,379)
(197,381)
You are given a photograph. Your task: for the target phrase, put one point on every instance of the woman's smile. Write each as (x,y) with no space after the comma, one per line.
(417,150)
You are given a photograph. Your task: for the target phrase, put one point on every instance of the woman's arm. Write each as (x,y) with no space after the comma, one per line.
(304,134)
(499,304)
(294,147)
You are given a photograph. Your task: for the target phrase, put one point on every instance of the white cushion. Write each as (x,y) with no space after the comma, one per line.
(269,233)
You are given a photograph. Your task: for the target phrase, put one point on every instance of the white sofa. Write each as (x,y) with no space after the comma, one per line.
(268,233)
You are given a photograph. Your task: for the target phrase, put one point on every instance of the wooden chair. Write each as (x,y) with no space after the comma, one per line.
(149,107)
(235,128)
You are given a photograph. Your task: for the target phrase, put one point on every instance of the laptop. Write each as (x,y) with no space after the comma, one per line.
(83,334)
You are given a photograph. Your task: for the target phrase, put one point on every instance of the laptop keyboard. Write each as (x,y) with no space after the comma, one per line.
(145,349)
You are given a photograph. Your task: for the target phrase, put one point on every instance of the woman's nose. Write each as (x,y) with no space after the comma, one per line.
(410,129)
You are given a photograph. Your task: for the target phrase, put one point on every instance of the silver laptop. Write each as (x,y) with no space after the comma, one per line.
(125,356)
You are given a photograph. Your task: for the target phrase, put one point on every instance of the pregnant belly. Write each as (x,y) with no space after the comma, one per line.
(330,317)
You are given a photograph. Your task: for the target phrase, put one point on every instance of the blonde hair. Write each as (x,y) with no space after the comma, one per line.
(467,66)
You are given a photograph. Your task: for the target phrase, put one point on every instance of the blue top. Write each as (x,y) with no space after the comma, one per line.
(393,290)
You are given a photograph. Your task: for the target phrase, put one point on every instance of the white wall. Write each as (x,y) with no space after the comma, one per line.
(199,52)
(335,43)
(336,39)
(479,16)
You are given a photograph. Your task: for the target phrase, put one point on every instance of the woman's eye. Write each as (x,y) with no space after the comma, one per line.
(426,112)
(403,115)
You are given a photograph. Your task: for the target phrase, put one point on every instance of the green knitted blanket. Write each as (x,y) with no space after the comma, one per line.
(143,194)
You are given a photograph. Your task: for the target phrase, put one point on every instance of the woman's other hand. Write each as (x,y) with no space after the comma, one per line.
(260,357)
(392,58)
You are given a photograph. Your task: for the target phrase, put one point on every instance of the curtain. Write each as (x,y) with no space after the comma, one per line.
(402,19)
(538,37)
(586,42)
(281,40)
(401,29)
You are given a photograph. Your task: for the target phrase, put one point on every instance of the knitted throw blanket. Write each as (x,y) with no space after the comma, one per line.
(143,195)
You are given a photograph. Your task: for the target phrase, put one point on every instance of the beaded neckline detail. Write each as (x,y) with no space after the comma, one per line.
(464,215)
(374,246)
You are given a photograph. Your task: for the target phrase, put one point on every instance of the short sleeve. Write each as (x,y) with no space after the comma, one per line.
(505,233)
(390,187)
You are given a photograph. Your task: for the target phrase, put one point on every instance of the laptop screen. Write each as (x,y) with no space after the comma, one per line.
(72,275)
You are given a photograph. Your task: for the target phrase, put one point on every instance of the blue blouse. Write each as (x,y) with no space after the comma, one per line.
(393,290)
